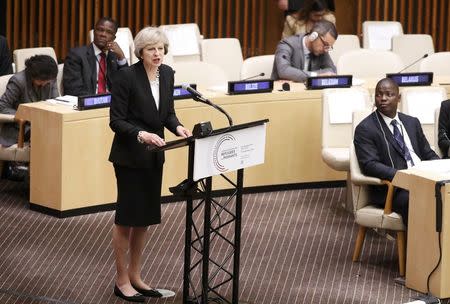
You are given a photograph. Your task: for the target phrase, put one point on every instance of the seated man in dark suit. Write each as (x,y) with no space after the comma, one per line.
(387,141)
(300,56)
(90,69)
(5,57)
(444,128)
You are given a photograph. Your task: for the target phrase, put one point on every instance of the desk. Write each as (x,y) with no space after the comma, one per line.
(70,170)
(69,166)
(423,250)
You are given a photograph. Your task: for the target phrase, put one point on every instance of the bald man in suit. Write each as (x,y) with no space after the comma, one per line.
(387,141)
(82,67)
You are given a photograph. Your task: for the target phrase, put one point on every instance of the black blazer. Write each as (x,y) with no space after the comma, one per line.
(80,71)
(372,146)
(133,109)
(444,128)
(372,150)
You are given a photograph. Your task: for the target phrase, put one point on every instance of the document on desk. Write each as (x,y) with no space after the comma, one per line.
(440,166)
(67,100)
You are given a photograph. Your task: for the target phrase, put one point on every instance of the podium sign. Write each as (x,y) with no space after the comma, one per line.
(229,151)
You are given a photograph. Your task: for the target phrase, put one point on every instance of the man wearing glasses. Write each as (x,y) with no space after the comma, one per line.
(90,69)
(300,56)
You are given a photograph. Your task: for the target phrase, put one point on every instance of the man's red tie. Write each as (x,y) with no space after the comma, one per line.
(102,74)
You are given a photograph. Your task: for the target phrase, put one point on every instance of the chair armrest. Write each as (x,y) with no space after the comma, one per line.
(6,118)
(21,136)
(361,179)
(389,197)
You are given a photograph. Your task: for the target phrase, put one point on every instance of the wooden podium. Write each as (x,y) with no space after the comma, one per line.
(423,240)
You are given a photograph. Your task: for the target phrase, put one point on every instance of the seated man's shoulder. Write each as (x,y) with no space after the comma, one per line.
(78,51)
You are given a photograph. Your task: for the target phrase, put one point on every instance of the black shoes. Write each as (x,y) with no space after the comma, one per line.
(136,298)
(153,293)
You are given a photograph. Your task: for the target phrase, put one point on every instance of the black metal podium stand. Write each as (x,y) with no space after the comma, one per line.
(206,271)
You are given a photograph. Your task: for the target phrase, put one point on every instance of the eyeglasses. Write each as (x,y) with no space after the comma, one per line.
(326,45)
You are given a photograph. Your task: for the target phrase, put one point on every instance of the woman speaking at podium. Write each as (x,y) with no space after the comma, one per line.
(142,105)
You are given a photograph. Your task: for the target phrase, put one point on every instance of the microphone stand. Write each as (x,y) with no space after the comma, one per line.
(217,107)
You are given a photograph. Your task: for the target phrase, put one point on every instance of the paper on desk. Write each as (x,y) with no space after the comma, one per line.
(441,166)
(67,100)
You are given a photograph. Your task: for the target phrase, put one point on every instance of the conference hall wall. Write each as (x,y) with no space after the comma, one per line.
(257,23)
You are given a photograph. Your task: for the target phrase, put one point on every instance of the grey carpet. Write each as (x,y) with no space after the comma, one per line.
(296,248)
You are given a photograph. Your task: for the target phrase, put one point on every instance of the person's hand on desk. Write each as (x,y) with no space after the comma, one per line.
(150,139)
(183,132)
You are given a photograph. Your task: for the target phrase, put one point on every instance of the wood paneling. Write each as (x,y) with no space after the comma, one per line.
(64,24)
(256,23)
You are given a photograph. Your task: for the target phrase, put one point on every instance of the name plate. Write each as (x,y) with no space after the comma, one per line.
(412,79)
(325,82)
(250,86)
(94,101)
(180,93)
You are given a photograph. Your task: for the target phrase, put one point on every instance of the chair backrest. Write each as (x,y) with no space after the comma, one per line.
(337,109)
(224,52)
(422,102)
(59,79)
(125,40)
(201,73)
(21,55)
(3,82)
(360,192)
(184,41)
(343,44)
(378,34)
(438,63)
(412,47)
(366,63)
(256,65)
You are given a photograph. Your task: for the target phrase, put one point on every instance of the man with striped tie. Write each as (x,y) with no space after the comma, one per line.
(387,141)
(90,69)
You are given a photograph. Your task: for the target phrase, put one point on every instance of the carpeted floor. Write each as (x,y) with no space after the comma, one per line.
(296,248)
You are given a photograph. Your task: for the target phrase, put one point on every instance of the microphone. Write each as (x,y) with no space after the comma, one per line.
(251,77)
(197,96)
(414,62)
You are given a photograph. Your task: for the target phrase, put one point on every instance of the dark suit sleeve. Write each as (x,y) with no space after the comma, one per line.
(368,153)
(73,80)
(10,100)
(171,121)
(5,57)
(121,95)
(444,128)
(426,153)
(283,65)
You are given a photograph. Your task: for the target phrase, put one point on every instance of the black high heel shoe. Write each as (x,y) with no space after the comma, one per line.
(136,298)
(153,293)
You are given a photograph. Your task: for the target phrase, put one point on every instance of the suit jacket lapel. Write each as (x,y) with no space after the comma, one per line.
(389,136)
(410,129)
(163,89)
(144,83)
(92,60)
